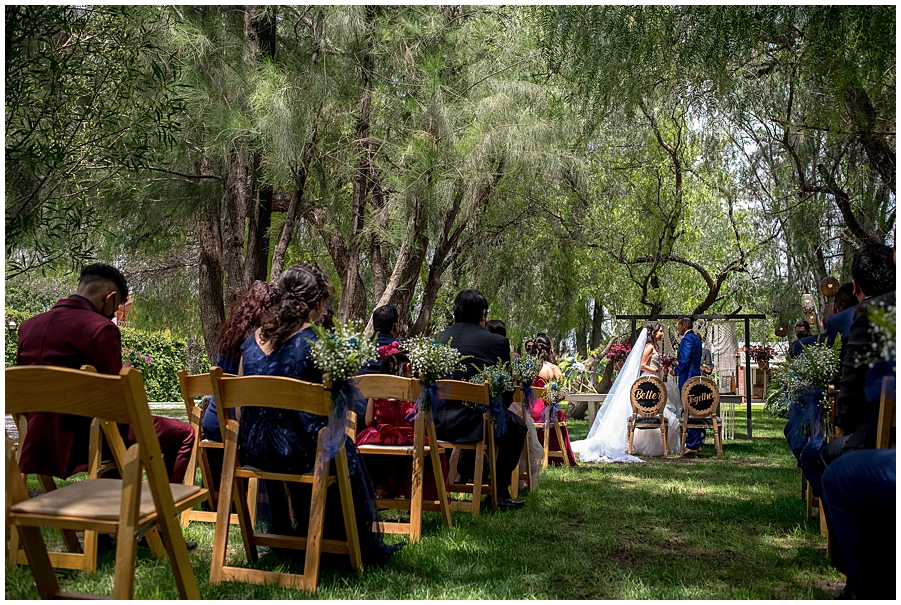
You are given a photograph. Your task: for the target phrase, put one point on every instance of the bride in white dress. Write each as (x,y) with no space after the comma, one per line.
(607,440)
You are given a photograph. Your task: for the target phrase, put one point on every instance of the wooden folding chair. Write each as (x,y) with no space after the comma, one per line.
(382,386)
(556,427)
(79,557)
(196,387)
(456,390)
(699,410)
(648,397)
(127,507)
(288,394)
(885,428)
(518,473)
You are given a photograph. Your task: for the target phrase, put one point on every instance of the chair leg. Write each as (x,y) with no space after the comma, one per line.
(126,542)
(547,446)
(347,505)
(492,466)
(253,494)
(477,479)
(226,494)
(39,561)
(560,443)
(663,436)
(242,505)
(718,436)
(317,519)
(416,486)
(684,435)
(631,429)
(439,475)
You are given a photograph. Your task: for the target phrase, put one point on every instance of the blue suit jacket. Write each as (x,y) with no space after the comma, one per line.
(840,323)
(688,360)
(796,347)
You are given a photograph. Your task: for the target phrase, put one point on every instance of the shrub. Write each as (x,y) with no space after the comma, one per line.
(159,355)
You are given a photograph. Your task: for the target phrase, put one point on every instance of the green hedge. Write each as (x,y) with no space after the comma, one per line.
(159,355)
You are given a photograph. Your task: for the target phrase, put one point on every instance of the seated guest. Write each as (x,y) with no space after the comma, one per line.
(840,321)
(244,316)
(536,449)
(549,372)
(859,491)
(386,327)
(802,331)
(387,424)
(285,441)
(459,423)
(873,276)
(79,331)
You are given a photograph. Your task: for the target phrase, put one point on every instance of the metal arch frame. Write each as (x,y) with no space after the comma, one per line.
(747,317)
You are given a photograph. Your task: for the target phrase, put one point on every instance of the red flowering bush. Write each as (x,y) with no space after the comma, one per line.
(619,352)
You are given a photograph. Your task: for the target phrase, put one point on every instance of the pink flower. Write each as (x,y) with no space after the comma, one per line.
(148,359)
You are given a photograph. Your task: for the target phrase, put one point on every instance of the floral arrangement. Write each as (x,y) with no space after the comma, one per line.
(432,360)
(666,362)
(618,352)
(810,373)
(761,353)
(554,393)
(339,354)
(525,369)
(500,381)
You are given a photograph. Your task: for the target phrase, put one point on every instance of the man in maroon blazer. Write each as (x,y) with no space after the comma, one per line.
(79,330)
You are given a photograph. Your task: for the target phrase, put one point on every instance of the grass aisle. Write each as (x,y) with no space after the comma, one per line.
(669,529)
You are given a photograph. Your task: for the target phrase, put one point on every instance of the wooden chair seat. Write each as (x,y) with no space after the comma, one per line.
(99,500)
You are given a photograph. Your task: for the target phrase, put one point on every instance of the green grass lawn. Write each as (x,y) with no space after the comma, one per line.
(698,528)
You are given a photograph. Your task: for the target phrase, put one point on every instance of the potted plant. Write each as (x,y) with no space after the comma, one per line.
(762,354)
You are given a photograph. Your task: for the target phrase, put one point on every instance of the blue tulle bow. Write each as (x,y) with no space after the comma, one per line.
(496,408)
(549,413)
(528,396)
(344,394)
(430,399)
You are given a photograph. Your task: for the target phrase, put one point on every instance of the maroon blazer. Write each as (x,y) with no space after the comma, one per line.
(70,335)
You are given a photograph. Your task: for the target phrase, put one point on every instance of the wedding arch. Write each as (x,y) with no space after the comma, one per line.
(747,317)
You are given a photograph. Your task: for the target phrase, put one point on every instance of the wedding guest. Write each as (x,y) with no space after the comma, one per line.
(244,316)
(459,423)
(78,331)
(549,372)
(386,327)
(536,449)
(842,318)
(284,441)
(802,330)
(873,276)
(387,423)
(859,491)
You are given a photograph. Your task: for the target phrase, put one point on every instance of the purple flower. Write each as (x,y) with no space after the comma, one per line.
(148,359)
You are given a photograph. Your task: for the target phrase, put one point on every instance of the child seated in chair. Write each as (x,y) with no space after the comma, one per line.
(390,422)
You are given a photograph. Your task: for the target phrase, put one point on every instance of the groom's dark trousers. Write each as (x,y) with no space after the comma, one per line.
(688,365)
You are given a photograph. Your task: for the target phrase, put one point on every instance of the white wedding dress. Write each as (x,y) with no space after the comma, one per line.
(608,438)
(647,442)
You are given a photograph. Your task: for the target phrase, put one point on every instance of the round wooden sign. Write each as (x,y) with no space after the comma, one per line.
(648,396)
(700,396)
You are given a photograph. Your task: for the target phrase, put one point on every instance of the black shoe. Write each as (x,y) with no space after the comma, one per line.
(509,504)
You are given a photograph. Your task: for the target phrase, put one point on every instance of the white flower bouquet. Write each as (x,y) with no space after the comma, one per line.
(432,360)
(341,353)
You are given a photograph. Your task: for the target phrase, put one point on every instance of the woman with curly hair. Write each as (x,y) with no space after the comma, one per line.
(244,316)
(279,440)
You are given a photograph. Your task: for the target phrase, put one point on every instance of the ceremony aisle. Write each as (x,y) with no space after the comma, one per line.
(697,528)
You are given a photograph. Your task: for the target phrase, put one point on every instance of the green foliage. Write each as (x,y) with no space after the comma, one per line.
(159,355)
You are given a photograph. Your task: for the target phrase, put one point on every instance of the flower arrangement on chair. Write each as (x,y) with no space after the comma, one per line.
(525,369)
(801,383)
(500,380)
(554,393)
(340,354)
(431,362)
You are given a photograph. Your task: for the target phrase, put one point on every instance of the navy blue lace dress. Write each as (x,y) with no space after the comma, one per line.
(285,441)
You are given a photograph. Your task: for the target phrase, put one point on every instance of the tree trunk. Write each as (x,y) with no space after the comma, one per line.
(293,211)
(212,308)
(597,323)
(353,295)
(236,186)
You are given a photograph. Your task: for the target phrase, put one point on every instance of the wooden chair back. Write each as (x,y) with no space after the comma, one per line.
(110,399)
(460,390)
(648,396)
(386,386)
(885,433)
(700,397)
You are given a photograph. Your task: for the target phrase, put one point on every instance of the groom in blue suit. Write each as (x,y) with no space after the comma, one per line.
(688,365)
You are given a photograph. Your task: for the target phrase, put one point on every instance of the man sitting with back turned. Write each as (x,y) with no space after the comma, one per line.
(386,328)
(79,330)
(458,423)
